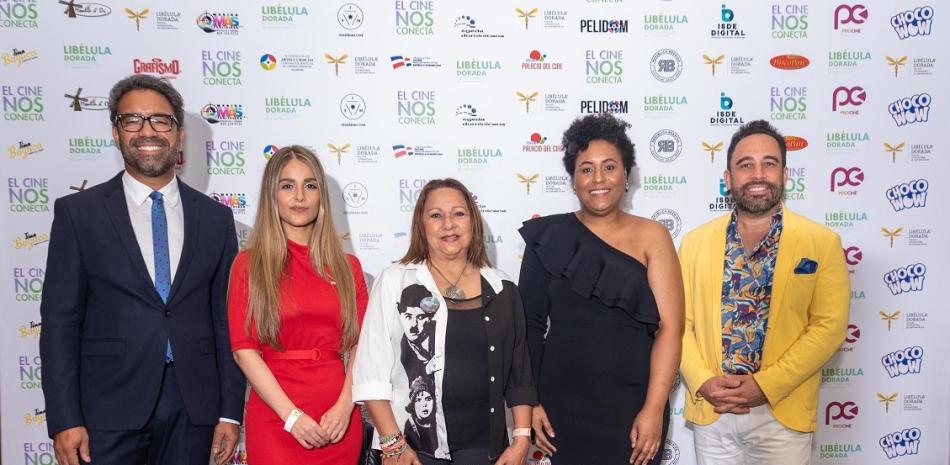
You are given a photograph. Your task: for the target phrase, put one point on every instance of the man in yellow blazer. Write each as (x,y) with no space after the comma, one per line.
(767,298)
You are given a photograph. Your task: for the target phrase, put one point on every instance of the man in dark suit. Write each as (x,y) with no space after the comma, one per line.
(137,359)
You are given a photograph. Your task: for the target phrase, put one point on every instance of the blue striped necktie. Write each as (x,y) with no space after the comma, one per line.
(163,274)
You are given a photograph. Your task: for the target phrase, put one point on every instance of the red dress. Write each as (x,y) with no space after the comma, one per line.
(309,319)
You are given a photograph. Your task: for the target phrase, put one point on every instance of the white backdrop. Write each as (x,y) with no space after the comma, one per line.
(392,93)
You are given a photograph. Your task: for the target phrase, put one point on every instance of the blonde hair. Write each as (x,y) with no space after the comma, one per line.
(267,254)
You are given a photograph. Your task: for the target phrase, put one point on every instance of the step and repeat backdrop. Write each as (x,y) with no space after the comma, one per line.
(391,94)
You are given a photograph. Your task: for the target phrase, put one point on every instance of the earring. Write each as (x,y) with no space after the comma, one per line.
(626,186)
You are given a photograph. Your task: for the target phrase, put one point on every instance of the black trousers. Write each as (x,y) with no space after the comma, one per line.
(168,438)
(476,456)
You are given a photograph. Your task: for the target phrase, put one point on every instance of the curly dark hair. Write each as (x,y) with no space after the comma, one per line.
(146,82)
(604,127)
(759,126)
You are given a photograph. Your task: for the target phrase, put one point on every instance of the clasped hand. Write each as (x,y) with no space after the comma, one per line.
(732,393)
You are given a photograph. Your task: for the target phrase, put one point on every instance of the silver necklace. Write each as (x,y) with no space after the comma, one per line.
(453,291)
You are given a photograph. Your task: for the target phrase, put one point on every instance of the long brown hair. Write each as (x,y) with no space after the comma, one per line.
(267,254)
(419,246)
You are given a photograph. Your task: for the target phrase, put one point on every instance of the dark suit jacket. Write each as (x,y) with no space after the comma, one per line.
(105,326)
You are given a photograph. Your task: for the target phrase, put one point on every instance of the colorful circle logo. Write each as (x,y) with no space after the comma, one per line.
(270,150)
(210,113)
(206,22)
(268,61)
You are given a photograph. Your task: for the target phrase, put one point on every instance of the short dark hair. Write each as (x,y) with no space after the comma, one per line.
(604,127)
(146,82)
(759,126)
(419,247)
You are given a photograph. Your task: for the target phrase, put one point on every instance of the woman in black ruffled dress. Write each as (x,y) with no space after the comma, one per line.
(611,285)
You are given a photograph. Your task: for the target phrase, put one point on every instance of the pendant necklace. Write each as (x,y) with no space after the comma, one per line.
(453,291)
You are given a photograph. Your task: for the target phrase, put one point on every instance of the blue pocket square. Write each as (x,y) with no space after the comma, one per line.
(806,266)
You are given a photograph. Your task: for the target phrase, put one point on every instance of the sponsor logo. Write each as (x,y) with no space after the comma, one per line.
(604,66)
(845,141)
(137,16)
(527,98)
(75,9)
(789,62)
(30,330)
(18,57)
(353,108)
(887,400)
(23,149)
(355,195)
(666,65)
(609,26)
(78,102)
(900,443)
(727,28)
(237,202)
(339,151)
(285,107)
(853,255)
(661,184)
(892,234)
(468,28)
(666,145)
(795,143)
(350,18)
(539,458)
(22,103)
(713,62)
(221,67)
(896,62)
(913,402)
(410,150)
(850,14)
(847,61)
(29,240)
(847,410)
(712,148)
(228,114)
(790,21)
(19,15)
(28,284)
(795,185)
(670,454)
(538,143)
(913,23)
(28,195)
(907,195)
(165,20)
(726,116)
(905,279)
(846,177)
(469,116)
(838,450)
(662,105)
(557,184)
(538,60)
(225,158)
(157,67)
(737,64)
(788,103)
(526,15)
(670,220)
(31,374)
(852,335)
(840,376)
(281,16)
(844,220)
(35,418)
(476,158)
(415,18)
(663,24)
(89,148)
(268,62)
(528,180)
(909,110)
(219,23)
(475,70)
(269,151)
(413,62)
(618,107)
(409,190)
(847,96)
(889,317)
(723,201)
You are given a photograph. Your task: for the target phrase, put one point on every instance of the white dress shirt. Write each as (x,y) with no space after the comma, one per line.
(140,212)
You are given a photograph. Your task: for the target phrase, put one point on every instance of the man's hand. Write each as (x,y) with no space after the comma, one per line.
(225,440)
(748,389)
(67,442)
(722,392)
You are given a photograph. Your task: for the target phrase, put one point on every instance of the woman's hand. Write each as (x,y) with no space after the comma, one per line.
(542,430)
(407,457)
(336,420)
(645,435)
(516,453)
(308,433)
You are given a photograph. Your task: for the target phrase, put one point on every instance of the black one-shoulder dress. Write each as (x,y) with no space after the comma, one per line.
(592,366)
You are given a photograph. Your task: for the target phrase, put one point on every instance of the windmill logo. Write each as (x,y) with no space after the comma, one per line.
(528,181)
(712,149)
(138,17)
(889,317)
(892,234)
(896,62)
(75,9)
(339,152)
(336,61)
(713,62)
(526,15)
(77,100)
(527,99)
(887,400)
(893,149)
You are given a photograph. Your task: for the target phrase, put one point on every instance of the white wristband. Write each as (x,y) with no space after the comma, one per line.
(292,418)
(526,432)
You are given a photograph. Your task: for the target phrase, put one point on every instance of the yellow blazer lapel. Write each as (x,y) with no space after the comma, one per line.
(788,253)
(715,257)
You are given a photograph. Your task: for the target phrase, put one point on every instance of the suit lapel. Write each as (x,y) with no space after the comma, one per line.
(715,260)
(784,263)
(119,214)
(189,207)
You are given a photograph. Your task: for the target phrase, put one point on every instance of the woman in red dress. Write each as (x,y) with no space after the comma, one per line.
(295,305)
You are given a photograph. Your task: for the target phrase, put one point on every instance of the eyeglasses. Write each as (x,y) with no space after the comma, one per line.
(134,122)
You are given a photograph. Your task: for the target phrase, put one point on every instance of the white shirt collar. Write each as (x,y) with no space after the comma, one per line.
(139,192)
